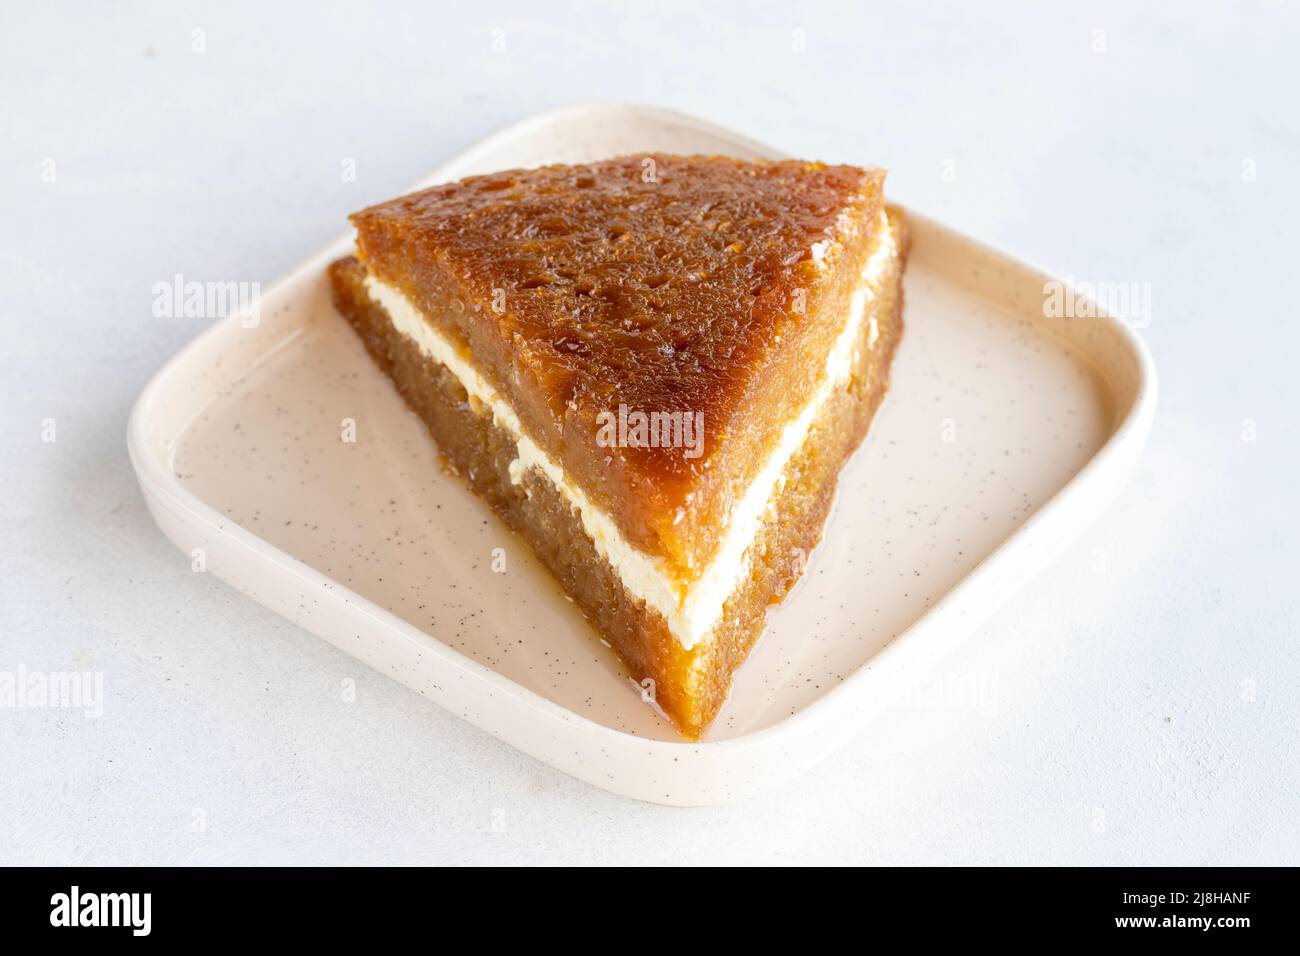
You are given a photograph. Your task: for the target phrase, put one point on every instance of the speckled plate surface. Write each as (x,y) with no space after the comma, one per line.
(1005,433)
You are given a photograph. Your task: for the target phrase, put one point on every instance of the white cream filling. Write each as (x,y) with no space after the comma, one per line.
(691,616)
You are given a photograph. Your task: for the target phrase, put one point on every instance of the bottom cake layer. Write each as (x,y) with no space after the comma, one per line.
(690,686)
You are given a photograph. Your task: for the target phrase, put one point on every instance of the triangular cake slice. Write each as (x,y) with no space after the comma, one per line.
(653,368)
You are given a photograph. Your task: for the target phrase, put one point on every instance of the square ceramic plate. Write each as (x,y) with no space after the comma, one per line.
(1004,434)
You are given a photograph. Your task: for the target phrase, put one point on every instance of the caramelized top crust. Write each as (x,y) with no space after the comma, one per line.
(659,283)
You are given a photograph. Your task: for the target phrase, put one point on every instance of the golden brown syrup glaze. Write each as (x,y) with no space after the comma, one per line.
(661,283)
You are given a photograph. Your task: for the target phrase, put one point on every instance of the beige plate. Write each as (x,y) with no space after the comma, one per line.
(1004,435)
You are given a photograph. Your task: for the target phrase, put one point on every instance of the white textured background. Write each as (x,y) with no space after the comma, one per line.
(1145,713)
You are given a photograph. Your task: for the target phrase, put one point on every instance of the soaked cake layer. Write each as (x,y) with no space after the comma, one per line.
(690,685)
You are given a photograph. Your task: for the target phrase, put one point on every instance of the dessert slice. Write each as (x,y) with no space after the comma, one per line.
(653,369)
